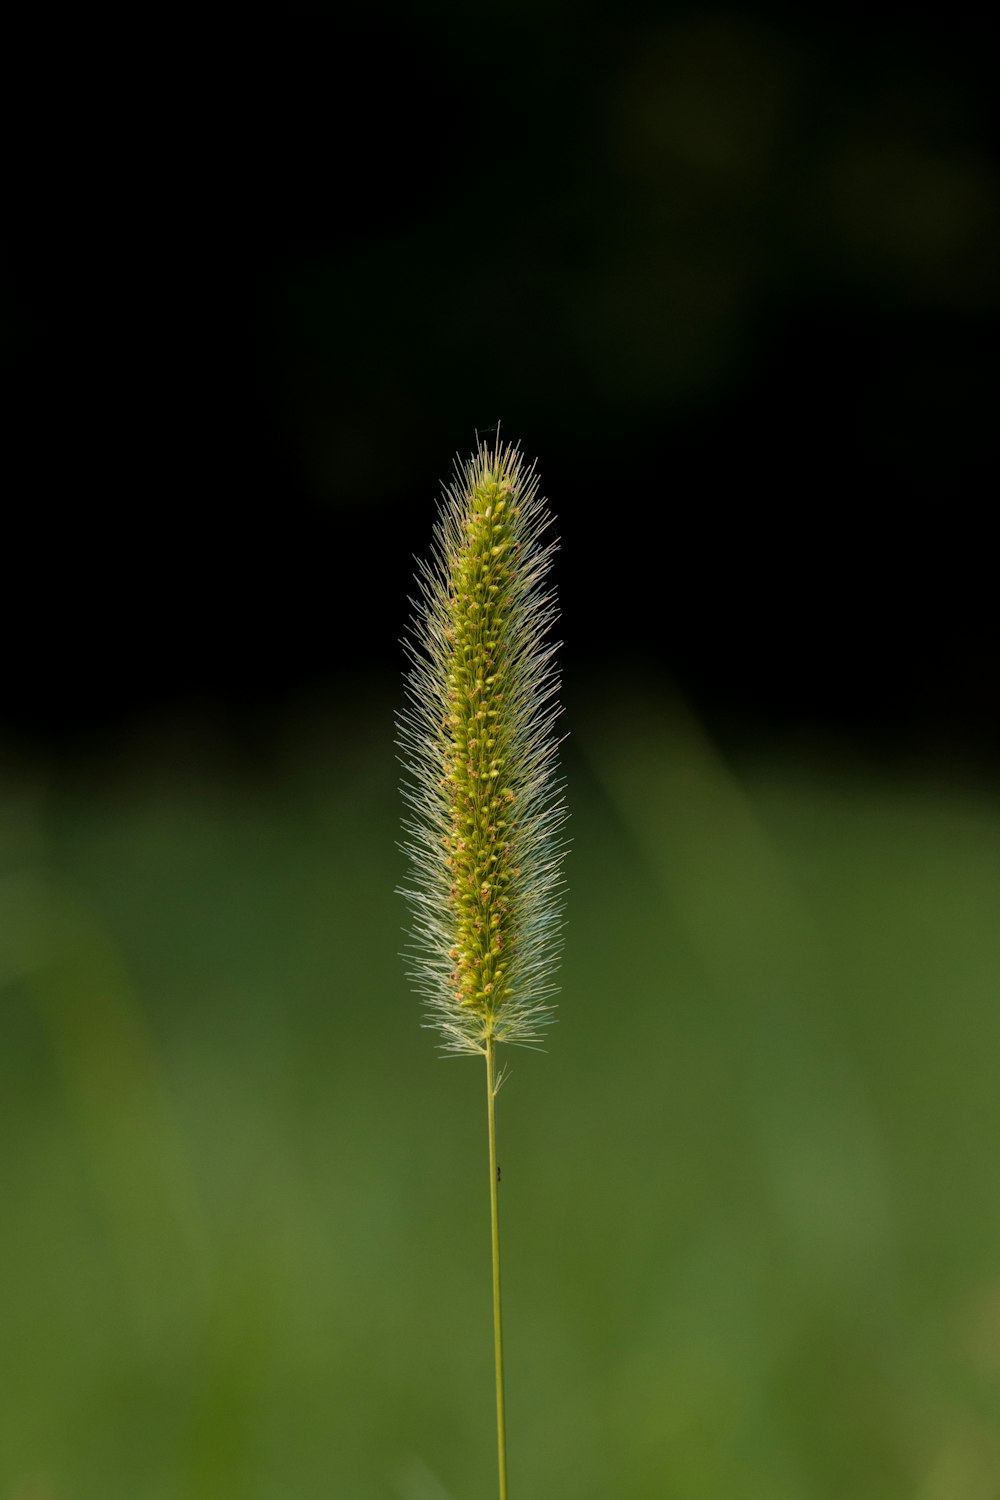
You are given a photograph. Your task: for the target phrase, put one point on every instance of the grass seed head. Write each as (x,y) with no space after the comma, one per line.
(485,809)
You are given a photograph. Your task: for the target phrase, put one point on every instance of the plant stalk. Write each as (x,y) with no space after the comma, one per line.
(495,1228)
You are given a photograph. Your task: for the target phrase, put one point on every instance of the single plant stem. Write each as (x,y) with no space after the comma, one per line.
(491,1093)
(484,804)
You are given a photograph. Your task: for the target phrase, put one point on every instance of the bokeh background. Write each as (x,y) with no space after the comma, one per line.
(731,273)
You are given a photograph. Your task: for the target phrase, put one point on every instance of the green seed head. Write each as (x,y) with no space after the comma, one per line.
(485,807)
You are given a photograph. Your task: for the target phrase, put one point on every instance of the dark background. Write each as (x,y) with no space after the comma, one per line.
(730,273)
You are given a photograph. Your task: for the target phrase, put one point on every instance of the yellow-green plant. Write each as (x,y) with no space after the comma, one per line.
(485,804)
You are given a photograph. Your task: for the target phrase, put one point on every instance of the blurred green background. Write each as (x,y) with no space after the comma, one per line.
(752,1230)
(733,274)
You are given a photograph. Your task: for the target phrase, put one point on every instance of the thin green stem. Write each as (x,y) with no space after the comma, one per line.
(491,1093)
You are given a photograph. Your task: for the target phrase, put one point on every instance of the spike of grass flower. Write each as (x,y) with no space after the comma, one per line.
(485,805)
